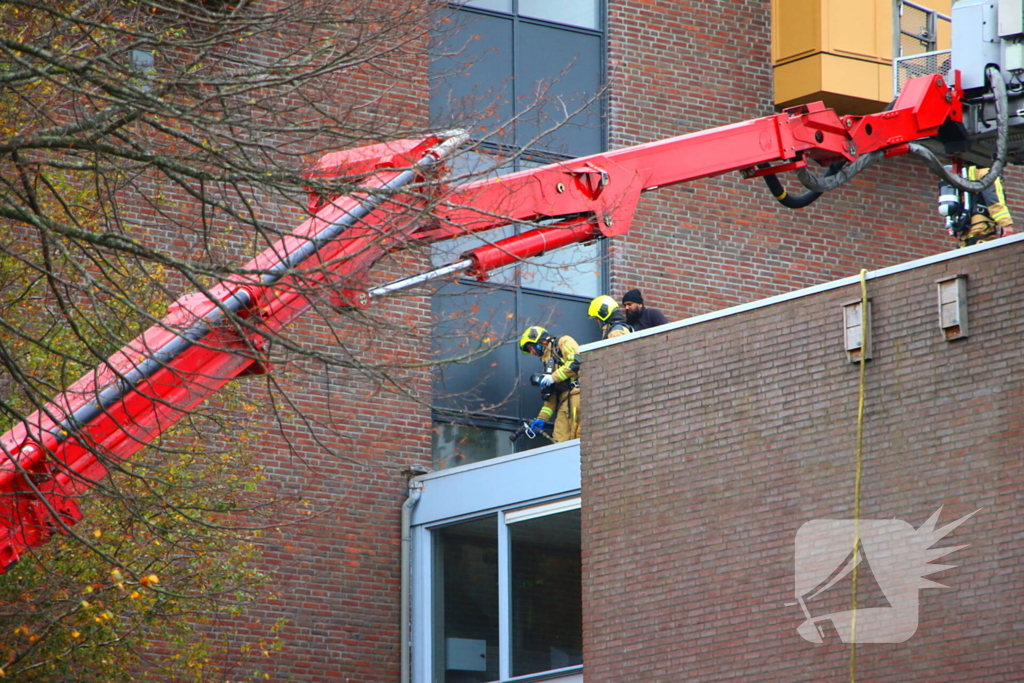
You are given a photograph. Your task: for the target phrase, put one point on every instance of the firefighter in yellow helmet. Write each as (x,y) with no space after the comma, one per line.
(559,385)
(610,316)
(980,216)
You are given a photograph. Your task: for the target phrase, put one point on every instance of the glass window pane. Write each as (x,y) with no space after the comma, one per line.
(575,269)
(466,601)
(479,75)
(559,82)
(494,5)
(476,163)
(573,12)
(449,251)
(546,578)
(471,76)
(460,444)
(473,346)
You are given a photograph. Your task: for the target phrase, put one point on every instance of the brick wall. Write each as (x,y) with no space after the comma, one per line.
(336,437)
(338,440)
(674,67)
(709,446)
(683,66)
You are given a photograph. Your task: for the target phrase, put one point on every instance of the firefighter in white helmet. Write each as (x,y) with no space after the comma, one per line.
(559,384)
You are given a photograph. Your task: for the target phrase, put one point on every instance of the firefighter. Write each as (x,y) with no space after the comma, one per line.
(559,385)
(984,215)
(612,319)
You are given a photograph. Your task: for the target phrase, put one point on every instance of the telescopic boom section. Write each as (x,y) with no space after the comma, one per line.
(596,196)
(210,338)
(206,340)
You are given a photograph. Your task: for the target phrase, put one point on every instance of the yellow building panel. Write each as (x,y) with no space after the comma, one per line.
(796,29)
(796,80)
(858,28)
(868,81)
(837,51)
(944,29)
(940,6)
(850,86)
(943,35)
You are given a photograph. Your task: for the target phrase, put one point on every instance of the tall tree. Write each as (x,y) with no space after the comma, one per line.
(147,149)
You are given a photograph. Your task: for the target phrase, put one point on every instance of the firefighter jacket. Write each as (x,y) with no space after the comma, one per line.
(989,215)
(561,360)
(615,325)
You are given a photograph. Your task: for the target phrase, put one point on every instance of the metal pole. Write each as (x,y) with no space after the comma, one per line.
(414,280)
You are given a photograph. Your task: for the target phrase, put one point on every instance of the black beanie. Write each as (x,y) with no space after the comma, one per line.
(634,296)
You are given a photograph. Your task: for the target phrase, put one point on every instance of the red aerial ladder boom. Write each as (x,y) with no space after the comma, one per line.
(211,337)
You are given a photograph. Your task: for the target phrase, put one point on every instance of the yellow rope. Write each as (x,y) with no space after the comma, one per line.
(859,469)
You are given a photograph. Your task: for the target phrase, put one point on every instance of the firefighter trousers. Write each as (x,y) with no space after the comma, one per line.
(567,416)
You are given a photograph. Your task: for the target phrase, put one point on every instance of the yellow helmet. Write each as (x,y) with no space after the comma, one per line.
(532,336)
(602,307)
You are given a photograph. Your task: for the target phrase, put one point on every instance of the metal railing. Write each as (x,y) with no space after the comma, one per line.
(915,43)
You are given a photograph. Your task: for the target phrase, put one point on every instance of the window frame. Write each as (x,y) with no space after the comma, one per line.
(541,155)
(514,283)
(545,481)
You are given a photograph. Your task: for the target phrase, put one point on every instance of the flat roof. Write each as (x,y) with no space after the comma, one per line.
(808,291)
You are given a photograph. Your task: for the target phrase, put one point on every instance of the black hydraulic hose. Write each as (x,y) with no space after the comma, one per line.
(823,184)
(801,200)
(1002,133)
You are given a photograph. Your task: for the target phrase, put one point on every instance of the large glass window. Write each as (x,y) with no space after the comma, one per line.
(532,556)
(525,76)
(545,587)
(481,384)
(467,601)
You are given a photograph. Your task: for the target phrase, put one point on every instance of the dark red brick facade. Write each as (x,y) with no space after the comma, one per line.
(337,440)
(692,479)
(680,67)
(708,447)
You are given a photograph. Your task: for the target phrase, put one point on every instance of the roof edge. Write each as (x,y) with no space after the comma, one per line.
(807,291)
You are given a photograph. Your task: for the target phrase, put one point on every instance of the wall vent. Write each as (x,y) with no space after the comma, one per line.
(853,319)
(953,307)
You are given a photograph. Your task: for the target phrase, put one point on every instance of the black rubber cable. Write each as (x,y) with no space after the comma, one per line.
(801,200)
(998,160)
(824,184)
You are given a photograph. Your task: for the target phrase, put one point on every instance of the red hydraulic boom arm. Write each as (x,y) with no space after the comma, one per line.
(211,337)
(596,196)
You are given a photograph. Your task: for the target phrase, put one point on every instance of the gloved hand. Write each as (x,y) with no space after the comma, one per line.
(538,425)
(547,381)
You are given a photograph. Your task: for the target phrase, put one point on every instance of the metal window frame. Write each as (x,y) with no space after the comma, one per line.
(604,256)
(517,487)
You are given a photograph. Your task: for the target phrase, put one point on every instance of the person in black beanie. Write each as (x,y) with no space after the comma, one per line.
(639,316)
